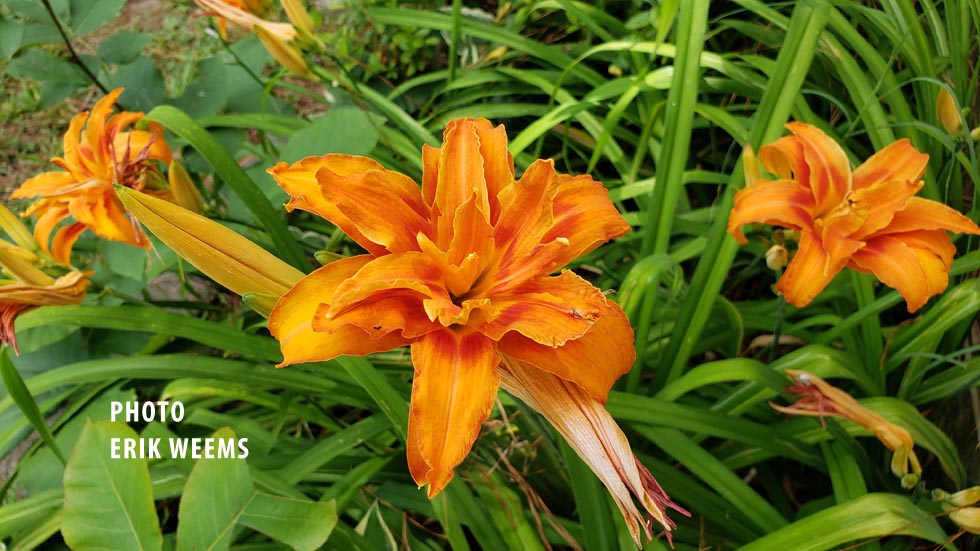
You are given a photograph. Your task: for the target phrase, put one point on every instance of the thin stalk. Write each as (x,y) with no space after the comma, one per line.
(75,58)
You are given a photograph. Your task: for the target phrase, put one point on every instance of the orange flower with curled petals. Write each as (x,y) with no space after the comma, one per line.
(247,15)
(461,272)
(868,219)
(99,150)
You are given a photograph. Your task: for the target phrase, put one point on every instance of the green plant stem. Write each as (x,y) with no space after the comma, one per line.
(76,59)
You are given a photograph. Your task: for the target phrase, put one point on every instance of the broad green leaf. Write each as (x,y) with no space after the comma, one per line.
(108,501)
(342,130)
(143,83)
(299,523)
(208,93)
(215,496)
(11,32)
(88,15)
(38,64)
(123,46)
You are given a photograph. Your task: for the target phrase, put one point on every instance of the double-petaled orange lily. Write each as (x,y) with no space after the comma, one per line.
(99,150)
(867,220)
(461,272)
(819,398)
(247,15)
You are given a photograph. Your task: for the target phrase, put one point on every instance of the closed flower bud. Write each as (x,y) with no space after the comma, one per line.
(183,189)
(947,112)
(777,257)
(967,518)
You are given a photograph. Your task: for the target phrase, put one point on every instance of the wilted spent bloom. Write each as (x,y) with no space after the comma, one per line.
(28,286)
(868,219)
(100,150)
(461,272)
(819,398)
(245,15)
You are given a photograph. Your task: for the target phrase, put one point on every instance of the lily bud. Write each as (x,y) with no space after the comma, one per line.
(287,56)
(299,17)
(750,166)
(777,257)
(185,192)
(962,498)
(11,224)
(21,264)
(948,114)
(225,256)
(967,518)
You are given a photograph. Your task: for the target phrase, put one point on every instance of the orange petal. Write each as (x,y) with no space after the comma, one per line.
(95,127)
(498,164)
(809,271)
(526,209)
(897,161)
(549,310)
(385,206)
(290,322)
(409,272)
(460,176)
(300,182)
(830,173)
(64,240)
(597,439)
(925,214)
(453,393)
(45,184)
(781,203)
(593,362)
(883,199)
(472,237)
(898,266)
(784,158)
(387,311)
(138,143)
(583,214)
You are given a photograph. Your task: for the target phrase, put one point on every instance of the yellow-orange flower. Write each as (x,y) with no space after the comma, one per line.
(867,220)
(99,150)
(461,272)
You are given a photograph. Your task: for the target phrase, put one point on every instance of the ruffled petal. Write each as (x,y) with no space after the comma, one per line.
(498,164)
(809,271)
(45,184)
(397,310)
(460,176)
(300,182)
(593,362)
(526,208)
(917,277)
(897,161)
(925,214)
(784,158)
(290,321)
(585,216)
(384,206)
(883,200)
(128,146)
(64,240)
(830,173)
(781,203)
(412,272)
(548,310)
(453,393)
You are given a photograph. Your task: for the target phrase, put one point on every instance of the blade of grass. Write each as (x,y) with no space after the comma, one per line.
(18,392)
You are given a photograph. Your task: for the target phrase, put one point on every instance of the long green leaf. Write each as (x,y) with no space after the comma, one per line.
(17,391)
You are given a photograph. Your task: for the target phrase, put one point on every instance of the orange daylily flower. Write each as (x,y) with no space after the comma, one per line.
(99,150)
(867,219)
(461,272)
(819,398)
